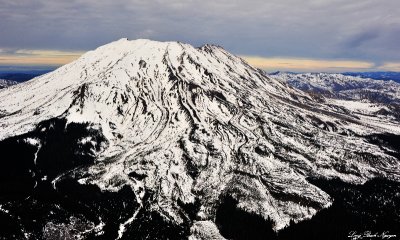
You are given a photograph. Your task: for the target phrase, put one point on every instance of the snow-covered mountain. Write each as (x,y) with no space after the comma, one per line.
(6,83)
(395,76)
(345,87)
(356,94)
(138,134)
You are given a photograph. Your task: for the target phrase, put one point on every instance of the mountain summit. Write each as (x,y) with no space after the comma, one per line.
(163,132)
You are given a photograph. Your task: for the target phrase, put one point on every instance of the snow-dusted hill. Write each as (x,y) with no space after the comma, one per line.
(356,94)
(171,130)
(6,83)
(345,87)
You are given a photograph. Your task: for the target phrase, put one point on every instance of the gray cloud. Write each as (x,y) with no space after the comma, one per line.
(331,29)
(363,37)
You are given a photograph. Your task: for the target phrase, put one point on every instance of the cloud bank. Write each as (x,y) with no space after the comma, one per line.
(38,57)
(357,30)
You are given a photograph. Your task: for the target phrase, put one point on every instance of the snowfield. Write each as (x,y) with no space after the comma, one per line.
(194,124)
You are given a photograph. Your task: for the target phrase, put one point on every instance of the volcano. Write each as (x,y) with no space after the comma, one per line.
(156,140)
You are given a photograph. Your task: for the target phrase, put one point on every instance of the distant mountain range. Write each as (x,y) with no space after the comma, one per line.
(6,83)
(22,74)
(395,76)
(357,94)
(344,87)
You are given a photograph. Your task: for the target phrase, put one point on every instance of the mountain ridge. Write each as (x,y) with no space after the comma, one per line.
(337,85)
(6,83)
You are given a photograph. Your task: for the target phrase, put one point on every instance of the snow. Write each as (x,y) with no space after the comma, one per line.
(167,107)
(343,87)
(122,227)
(358,106)
(3,210)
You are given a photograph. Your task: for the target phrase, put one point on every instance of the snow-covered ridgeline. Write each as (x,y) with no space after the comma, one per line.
(193,124)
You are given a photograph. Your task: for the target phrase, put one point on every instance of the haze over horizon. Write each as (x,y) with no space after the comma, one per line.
(291,35)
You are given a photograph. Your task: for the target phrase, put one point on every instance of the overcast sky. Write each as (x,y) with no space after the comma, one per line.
(304,35)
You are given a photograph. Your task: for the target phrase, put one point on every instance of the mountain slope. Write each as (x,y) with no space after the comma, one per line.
(170,130)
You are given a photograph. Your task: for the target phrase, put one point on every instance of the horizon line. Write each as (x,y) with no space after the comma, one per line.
(58,58)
